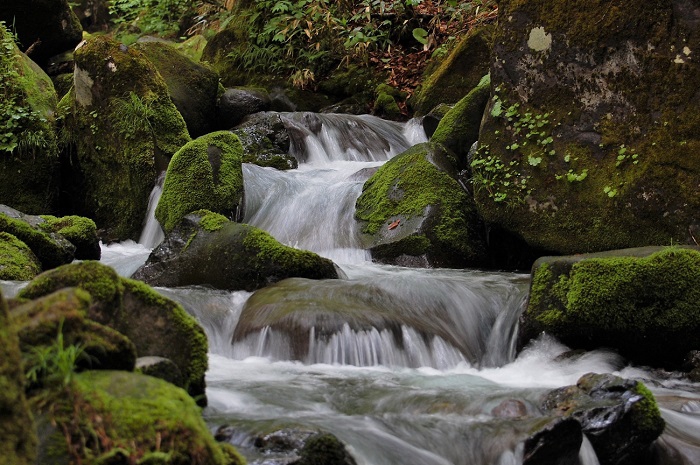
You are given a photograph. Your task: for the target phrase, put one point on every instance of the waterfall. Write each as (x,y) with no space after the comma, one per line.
(152,234)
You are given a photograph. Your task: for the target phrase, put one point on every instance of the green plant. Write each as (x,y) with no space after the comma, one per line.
(152,16)
(53,365)
(133,114)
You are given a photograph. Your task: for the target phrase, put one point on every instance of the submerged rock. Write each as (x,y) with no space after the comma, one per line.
(416,213)
(140,418)
(620,417)
(17,431)
(156,325)
(590,138)
(641,302)
(204,174)
(206,248)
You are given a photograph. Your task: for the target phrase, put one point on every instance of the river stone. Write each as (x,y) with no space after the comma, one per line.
(192,87)
(205,248)
(142,420)
(642,302)
(590,136)
(39,321)
(556,443)
(204,174)
(324,448)
(17,431)
(265,141)
(125,128)
(29,167)
(237,103)
(414,212)
(157,326)
(78,230)
(620,417)
(44,27)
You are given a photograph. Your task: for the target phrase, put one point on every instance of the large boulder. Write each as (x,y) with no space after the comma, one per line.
(206,248)
(620,417)
(78,230)
(157,326)
(28,142)
(17,432)
(17,261)
(266,141)
(415,212)
(194,88)
(125,128)
(38,323)
(591,136)
(205,174)
(448,81)
(641,302)
(237,103)
(43,27)
(117,417)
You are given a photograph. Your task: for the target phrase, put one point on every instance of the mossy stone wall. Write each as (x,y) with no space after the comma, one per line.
(590,140)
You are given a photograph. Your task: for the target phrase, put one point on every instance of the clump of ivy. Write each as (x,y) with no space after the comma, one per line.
(20,125)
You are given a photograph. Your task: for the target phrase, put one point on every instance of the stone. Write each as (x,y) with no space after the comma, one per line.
(237,103)
(265,141)
(17,261)
(160,367)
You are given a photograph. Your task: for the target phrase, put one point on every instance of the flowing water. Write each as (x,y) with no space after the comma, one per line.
(406,366)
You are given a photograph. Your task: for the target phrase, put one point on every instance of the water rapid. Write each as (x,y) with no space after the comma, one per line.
(406,366)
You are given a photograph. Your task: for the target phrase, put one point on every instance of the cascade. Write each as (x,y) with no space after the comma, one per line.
(406,366)
(152,234)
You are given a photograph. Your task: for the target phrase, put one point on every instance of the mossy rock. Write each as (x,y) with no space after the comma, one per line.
(452,78)
(193,47)
(142,419)
(79,231)
(48,27)
(17,432)
(192,87)
(39,321)
(324,449)
(458,130)
(385,106)
(17,262)
(28,142)
(587,139)
(265,141)
(620,417)
(125,128)
(51,249)
(205,174)
(416,213)
(157,326)
(641,302)
(206,248)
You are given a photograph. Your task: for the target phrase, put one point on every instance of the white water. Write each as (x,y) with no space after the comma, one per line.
(395,395)
(152,233)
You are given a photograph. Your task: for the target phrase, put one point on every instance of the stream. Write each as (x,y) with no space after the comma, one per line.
(423,392)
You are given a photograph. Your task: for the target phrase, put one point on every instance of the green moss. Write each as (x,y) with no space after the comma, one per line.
(211,221)
(647,414)
(144,419)
(80,231)
(46,249)
(385,106)
(269,250)
(231,454)
(193,47)
(100,281)
(17,262)
(205,174)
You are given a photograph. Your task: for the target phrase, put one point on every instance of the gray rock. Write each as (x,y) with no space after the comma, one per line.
(235,104)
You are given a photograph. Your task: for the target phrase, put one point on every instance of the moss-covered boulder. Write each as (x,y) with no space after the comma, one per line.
(123,418)
(324,448)
(193,87)
(459,128)
(205,174)
(590,138)
(51,249)
(17,432)
(641,302)
(416,213)
(620,417)
(44,27)
(79,231)
(124,127)
(451,78)
(266,141)
(156,325)
(28,143)
(39,321)
(206,248)
(17,261)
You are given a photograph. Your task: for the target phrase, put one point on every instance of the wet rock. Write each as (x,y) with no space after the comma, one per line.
(324,449)
(192,87)
(556,443)
(510,408)
(415,213)
(265,141)
(236,104)
(206,248)
(584,144)
(157,326)
(620,417)
(641,302)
